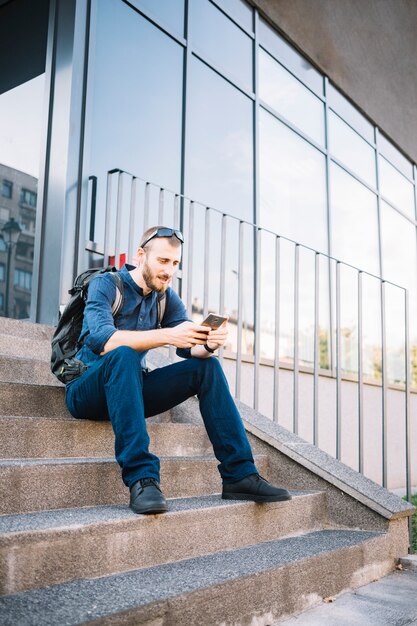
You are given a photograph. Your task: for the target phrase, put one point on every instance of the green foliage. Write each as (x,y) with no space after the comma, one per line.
(414,525)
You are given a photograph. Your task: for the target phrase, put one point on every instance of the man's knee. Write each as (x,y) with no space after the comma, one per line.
(210,368)
(123,358)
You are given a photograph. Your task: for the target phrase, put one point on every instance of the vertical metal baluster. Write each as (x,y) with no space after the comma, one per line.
(408,481)
(360,375)
(257,345)
(338,369)
(296,333)
(107,220)
(118,219)
(384,387)
(206,261)
(178,275)
(190,260)
(161,207)
(222,273)
(316,349)
(93,206)
(277,326)
(146,207)
(176,211)
(133,234)
(239,314)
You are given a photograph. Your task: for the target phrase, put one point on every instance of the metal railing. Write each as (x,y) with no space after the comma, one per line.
(133,204)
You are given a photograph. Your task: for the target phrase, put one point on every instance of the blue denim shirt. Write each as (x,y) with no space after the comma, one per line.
(139,312)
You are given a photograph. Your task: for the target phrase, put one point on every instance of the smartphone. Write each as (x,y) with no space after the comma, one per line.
(213,320)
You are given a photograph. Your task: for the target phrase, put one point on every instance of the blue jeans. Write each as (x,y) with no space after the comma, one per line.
(116,388)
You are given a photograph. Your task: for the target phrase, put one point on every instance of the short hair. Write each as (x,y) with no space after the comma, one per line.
(174,241)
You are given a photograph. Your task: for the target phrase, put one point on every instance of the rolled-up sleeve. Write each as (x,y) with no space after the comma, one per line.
(98,313)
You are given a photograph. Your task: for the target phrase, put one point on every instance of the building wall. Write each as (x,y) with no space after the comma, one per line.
(368,49)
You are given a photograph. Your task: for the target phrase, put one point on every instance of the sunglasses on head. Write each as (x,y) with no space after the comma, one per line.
(163,232)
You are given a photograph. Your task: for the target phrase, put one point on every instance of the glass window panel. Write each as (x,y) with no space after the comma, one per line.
(350,113)
(347,146)
(400,267)
(170,12)
(240,11)
(21,121)
(219,152)
(285,94)
(222,42)
(289,57)
(395,188)
(292,185)
(138,134)
(354,221)
(388,150)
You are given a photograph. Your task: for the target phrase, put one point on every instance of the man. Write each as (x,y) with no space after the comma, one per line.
(118,387)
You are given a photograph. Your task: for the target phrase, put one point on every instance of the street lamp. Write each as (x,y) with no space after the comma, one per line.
(10,233)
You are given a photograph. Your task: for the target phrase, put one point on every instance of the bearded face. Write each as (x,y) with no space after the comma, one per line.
(155,280)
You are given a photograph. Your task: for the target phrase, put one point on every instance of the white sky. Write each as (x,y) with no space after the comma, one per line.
(21,118)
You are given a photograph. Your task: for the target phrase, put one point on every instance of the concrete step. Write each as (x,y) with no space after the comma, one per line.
(26,330)
(251,585)
(41,549)
(391,601)
(43,484)
(25,347)
(23,399)
(32,371)
(46,437)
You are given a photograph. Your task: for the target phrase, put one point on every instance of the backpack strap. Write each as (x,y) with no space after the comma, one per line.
(118,302)
(161,302)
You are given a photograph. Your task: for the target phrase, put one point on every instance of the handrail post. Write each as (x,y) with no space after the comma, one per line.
(133,234)
(316,349)
(296,336)
(360,375)
(338,369)
(206,261)
(119,211)
(257,343)
(384,389)
(239,314)
(161,207)
(190,260)
(107,219)
(146,207)
(277,326)
(222,272)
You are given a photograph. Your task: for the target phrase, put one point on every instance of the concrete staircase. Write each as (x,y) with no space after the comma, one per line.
(71,552)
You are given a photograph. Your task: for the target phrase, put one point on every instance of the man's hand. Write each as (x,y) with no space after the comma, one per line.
(187,335)
(217,337)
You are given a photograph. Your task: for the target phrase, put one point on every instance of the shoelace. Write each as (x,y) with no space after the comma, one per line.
(146,482)
(259,477)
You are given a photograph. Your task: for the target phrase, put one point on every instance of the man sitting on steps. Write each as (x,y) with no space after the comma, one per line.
(118,387)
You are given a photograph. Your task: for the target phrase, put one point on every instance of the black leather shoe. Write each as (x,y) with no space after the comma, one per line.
(255,488)
(146,497)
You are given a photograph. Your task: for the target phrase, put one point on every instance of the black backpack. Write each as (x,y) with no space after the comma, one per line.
(65,340)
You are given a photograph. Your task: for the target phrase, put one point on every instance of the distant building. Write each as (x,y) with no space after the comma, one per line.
(18,197)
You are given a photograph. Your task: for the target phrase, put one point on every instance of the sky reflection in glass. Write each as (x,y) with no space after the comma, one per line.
(284,93)
(354,222)
(170,12)
(240,11)
(349,148)
(139,134)
(221,41)
(395,188)
(292,185)
(219,154)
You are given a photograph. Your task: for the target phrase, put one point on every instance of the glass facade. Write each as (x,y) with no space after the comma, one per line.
(207,100)
(232,116)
